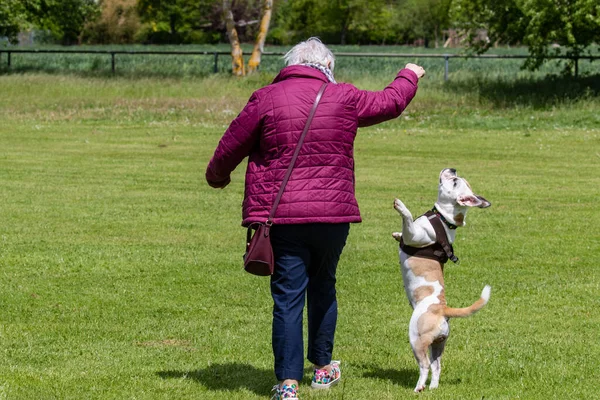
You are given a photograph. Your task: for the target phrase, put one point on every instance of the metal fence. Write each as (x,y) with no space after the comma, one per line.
(215,55)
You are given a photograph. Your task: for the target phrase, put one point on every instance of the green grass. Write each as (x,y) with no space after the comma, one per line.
(120,269)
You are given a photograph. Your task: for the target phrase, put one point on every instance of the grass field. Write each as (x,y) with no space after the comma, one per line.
(120,269)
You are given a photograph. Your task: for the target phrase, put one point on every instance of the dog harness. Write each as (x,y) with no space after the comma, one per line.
(441,250)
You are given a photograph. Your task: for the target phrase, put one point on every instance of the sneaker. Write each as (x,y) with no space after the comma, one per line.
(324,380)
(285,392)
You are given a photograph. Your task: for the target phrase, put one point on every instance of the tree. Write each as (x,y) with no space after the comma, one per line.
(339,21)
(12,19)
(428,18)
(259,45)
(118,23)
(296,20)
(237,57)
(574,25)
(65,19)
(502,20)
(177,21)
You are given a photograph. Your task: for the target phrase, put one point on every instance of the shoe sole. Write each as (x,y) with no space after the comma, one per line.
(315,385)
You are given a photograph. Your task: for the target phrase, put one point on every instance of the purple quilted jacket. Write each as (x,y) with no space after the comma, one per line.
(321,187)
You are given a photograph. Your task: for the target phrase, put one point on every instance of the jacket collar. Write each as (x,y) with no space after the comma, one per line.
(300,71)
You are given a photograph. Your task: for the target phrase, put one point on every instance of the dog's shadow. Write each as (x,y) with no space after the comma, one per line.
(227,377)
(402,377)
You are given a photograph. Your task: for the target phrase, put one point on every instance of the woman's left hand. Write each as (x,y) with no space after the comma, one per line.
(417,69)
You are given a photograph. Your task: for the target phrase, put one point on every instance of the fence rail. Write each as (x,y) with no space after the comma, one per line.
(215,54)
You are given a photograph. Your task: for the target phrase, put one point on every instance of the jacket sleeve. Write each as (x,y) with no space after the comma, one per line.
(376,107)
(237,142)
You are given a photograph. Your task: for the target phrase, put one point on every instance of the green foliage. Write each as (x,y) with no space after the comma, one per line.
(195,21)
(64,19)
(13,18)
(573,26)
(293,19)
(177,21)
(500,21)
(360,21)
(427,19)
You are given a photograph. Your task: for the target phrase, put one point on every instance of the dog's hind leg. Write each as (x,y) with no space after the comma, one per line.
(420,347)
(437,349)
(425,329)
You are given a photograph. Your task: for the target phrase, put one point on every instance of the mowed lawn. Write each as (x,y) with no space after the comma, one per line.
(120,269)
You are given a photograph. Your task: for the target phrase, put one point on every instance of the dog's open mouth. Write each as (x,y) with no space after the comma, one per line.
(473,201)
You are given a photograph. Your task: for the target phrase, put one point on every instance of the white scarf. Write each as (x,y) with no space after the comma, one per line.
(328,73)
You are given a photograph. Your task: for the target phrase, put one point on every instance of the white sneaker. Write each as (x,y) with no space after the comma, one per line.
(285,392)
(324,380)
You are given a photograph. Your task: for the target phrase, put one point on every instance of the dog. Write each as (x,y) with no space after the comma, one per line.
(422,259)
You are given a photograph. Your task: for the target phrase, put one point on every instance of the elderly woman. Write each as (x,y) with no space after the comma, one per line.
(312,221)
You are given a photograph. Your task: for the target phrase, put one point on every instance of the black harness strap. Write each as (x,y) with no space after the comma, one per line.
(440,235)
(441,250)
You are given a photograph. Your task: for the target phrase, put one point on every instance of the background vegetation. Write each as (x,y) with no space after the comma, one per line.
(545,27)
(157,65)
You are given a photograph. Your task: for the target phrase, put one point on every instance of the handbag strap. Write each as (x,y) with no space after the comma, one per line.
(295,156)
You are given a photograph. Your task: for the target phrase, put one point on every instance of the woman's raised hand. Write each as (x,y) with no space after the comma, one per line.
(416,69)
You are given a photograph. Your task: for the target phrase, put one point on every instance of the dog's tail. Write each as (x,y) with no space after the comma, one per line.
(472,309)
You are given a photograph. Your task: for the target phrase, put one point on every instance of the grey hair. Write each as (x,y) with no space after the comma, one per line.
(311,51)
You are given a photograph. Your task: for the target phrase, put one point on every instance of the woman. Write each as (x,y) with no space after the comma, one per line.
(312,221)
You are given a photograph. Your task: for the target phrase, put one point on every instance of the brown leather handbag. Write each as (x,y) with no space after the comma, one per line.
(259,259)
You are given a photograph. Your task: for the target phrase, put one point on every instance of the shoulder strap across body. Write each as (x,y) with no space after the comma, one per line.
(288,173)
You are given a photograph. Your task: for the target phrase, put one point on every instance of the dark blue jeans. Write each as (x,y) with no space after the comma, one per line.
(306,258)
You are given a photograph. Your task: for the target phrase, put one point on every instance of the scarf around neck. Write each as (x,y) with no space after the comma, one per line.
(328,73)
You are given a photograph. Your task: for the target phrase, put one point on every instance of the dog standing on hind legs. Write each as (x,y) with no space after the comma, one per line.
(425,246)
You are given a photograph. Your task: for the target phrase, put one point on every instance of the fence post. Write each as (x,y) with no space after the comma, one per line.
(446,67)
(216,67)
(576,66)
(112,62)
(8,61)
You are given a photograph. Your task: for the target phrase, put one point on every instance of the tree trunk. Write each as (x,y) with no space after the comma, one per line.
(237,57)
(259,45)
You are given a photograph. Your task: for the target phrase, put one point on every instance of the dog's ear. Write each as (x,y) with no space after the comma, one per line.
(447,173)
(473,201)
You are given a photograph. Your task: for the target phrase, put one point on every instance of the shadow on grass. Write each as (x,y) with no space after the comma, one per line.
(538,93)
(401,377)
(228,377)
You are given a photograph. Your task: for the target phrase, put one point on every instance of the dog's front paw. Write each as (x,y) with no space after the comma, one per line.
(401,208)
(399,205)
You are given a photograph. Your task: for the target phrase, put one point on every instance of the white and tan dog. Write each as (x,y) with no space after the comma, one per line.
(424,279)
